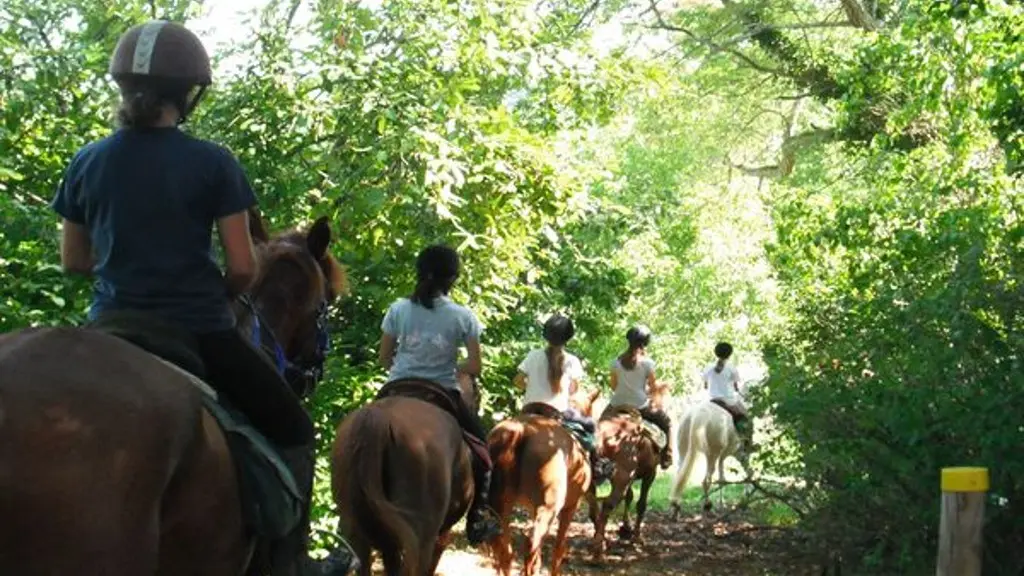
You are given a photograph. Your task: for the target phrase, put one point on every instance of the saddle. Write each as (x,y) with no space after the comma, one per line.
(585,437)
(739,420)
(647,428)
(272,503)
(436,395)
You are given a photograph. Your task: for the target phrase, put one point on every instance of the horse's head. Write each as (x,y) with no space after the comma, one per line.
(298,279)
(583,400)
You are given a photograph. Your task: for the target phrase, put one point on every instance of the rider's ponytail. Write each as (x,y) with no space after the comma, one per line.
(557,331)
(638,337)
(556,367)
(437,268)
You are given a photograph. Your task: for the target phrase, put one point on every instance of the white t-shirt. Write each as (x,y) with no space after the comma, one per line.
(538,385)
(631,388)
(722,384)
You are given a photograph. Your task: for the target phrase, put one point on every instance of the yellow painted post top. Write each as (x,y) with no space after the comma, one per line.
(965,479)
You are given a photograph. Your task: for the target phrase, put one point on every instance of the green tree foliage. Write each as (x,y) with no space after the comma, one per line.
(832,186)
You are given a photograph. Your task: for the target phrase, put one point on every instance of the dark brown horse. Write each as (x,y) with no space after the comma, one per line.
(109,465)
(402,477)
(622,439)
(537,464)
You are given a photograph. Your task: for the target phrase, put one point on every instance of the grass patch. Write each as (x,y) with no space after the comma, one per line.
(761,511)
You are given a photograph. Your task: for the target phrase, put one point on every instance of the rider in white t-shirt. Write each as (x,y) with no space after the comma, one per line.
(723,384)
(550,376)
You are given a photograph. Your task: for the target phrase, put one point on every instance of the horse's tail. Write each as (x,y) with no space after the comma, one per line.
(687,451)
(385,525)
(505,445)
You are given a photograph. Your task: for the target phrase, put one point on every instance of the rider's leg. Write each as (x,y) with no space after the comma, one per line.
(252,384)
(602,467)
(481,523)
(664,423)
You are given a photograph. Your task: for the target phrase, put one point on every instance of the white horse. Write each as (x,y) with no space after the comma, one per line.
(706,428)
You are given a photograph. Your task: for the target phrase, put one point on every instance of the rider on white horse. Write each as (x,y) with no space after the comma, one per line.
(723,384)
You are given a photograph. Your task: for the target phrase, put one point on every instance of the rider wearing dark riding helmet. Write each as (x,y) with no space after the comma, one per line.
(633,382)
(549,377)
(138,210)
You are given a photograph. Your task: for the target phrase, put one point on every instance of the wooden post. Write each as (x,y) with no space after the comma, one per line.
(963,514)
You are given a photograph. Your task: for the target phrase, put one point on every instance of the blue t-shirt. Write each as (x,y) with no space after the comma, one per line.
(150,199)
(429,339)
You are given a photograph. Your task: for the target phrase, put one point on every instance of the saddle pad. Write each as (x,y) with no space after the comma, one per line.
(654,433)
(586,439)
(271,501)
(272,504)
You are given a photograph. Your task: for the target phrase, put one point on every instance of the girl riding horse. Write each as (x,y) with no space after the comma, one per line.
(549,376)
(138,210)
(421,340)
(723,384)
(633,380)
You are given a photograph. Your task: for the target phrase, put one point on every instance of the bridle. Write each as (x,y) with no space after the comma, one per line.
(303,373)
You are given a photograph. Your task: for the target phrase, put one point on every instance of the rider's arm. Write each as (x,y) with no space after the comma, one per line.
(233,198)
(520,381)
(653,391)
(387,350)
(240,260)
(76,249)
(615,380)
(472,365)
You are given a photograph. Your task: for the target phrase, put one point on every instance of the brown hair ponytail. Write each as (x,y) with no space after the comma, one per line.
(556,367)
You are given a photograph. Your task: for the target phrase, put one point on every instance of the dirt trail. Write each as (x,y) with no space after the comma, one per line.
(692,546)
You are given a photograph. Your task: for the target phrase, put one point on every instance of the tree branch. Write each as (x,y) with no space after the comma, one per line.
(858,15)
(710,44)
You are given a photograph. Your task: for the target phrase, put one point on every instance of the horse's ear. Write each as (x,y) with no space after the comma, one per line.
(319,237)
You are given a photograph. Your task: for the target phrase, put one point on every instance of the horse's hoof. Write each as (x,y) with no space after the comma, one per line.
(625,532)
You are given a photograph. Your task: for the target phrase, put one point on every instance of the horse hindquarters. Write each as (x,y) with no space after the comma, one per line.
(372,457)
(92,431)
(205,486)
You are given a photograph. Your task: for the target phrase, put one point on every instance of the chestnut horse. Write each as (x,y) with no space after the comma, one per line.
(109,464)
(622,439)
(401,477)
(540,465)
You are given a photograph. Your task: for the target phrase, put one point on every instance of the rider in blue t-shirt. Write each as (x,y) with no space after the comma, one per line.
(421,341)
(138,210)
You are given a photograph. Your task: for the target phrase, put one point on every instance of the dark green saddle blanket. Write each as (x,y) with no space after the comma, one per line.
(585,437)
(272,504)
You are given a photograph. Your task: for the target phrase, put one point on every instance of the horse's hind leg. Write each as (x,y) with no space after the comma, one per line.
(543,516)
(561,546)
(624,528)
(502,545)
(709,475)
(641,504)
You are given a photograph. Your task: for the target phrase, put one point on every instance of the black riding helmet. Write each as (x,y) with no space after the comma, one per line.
(558,330)
(163,59)
(638,336)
